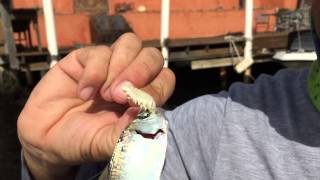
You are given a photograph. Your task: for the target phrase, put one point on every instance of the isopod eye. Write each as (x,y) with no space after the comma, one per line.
(143,115)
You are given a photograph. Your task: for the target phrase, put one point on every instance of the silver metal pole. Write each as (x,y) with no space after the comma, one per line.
(50,31)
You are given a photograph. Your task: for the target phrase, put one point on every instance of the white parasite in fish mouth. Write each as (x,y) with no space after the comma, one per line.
(140,98)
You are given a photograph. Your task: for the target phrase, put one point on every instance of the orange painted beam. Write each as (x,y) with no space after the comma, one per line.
(72,30)
(176,5)
(197,24)
(65,7)
(281,4)
(203,5)
(26,4)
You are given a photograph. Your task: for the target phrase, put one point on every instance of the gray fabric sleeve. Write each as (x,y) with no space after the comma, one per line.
(193,140)
(25,175)
(87,171)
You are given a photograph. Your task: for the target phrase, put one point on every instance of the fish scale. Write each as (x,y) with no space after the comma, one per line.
(136,156)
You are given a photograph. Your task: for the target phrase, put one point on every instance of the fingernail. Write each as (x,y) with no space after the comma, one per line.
(118,93)
(86,93)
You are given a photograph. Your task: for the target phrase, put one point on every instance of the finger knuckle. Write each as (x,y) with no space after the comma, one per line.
(164,86)
(159,93)
(80,54)
(103,47)
(153,54)
(130,36)
(146,69)
(170,76)
(82,51)
(122,57)
(102,50)
(128,41)
(77,53)
(120,62)
(93,77)
(74,52)
(141,73)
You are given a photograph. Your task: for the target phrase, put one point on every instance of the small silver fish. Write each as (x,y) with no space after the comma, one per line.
(140,151)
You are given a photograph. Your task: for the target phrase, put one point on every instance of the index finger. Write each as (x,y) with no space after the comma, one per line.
(142,71)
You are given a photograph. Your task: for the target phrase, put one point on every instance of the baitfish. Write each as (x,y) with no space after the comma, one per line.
(140,151)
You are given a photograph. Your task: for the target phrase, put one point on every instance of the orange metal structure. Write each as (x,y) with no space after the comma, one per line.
(176,5)
(72,30)
(189,19)
(197,24)
(201,18)
(203,5)
(60,7)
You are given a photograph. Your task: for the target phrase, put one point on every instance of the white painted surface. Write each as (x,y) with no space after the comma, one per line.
(295,56)
(248,35)
(165,26)
(50,31)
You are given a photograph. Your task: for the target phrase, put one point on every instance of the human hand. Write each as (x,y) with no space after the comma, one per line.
(77,111)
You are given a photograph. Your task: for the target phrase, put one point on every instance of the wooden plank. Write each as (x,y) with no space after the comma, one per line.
(258,38)
(36,66)
(197,41)
(33,53)
(221,62)
(277,40)
(40,66)
(214,63)
(218,47)
(201,54)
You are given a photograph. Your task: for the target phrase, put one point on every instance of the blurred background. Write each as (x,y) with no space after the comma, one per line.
(209,44)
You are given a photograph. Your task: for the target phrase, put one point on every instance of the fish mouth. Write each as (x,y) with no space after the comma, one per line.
(150,135)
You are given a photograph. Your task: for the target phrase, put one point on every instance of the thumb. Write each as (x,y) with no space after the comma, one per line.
(124,122)
(108,138)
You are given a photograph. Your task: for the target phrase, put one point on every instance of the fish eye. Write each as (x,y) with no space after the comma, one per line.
(143,115)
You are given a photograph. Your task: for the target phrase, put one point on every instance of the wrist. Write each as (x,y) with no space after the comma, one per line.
(41,169)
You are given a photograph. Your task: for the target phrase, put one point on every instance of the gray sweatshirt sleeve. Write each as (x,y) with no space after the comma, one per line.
(25,175)
(193,138)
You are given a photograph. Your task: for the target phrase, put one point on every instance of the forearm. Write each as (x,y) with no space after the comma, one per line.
(39,169)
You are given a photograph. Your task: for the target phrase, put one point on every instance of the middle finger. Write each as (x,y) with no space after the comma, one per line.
(125,49)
